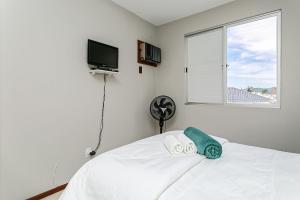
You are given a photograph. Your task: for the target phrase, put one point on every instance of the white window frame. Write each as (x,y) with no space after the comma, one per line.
(277,14)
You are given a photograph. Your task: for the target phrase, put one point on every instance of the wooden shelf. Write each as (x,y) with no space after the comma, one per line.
(99,71)
(140,59)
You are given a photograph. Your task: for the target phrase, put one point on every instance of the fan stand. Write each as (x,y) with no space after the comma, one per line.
(161,124)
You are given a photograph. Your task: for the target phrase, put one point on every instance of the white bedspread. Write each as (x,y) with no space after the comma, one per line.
(145,170)
(242,173)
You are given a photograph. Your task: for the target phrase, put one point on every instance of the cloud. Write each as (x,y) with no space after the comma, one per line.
(257,36)
(252,54)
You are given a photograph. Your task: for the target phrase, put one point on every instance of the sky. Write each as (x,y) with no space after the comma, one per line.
(251,54)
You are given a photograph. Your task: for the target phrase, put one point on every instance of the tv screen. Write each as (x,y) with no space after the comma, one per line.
(102,56)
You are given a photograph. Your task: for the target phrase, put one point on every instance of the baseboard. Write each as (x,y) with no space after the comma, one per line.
(49,192)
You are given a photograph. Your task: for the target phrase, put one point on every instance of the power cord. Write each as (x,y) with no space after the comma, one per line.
(92,153)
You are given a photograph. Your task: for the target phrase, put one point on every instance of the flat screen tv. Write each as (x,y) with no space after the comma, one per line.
(102,56)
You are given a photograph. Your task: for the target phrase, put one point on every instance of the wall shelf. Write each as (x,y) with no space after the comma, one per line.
(99,71)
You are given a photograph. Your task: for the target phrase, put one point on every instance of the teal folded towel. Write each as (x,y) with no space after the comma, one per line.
(205,144)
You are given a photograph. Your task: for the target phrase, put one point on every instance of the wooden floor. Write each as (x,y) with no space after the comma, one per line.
(54,196)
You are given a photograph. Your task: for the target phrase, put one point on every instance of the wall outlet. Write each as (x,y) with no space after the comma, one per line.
(87,152)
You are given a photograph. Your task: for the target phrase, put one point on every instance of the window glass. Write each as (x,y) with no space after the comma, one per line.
(252,62)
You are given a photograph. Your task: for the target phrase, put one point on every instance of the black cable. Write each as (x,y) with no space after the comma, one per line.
(92,153)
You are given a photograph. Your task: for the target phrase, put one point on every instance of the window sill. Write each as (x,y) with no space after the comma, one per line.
(276,106)
(241,105)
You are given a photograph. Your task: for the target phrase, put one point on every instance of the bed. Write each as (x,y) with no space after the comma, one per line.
(145,170)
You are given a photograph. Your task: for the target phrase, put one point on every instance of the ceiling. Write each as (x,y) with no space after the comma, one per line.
(159,12)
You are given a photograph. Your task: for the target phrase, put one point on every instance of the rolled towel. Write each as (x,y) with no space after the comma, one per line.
(205,144)
(173,145)
(188,145)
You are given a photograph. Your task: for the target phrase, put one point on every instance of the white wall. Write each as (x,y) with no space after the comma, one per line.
(273,128)
(1,82)
(50,104)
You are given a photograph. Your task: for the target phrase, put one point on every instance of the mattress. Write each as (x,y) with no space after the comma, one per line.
(144,170)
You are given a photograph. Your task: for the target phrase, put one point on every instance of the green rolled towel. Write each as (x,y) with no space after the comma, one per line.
(205,144)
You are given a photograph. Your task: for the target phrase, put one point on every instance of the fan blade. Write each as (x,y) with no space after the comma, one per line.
(162,101)
(169,111)
(156,113)
(168,104)
(156,105)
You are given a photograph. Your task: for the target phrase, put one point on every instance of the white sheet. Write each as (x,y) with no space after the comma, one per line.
(242,173)
(145,170)
(141,171)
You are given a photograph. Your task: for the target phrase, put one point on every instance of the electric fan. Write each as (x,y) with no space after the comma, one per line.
(162,108)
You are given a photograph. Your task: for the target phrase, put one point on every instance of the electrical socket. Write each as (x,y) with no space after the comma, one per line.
(87,152)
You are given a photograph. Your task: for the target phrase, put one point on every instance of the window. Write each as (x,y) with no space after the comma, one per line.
(237,63)
(205,82)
